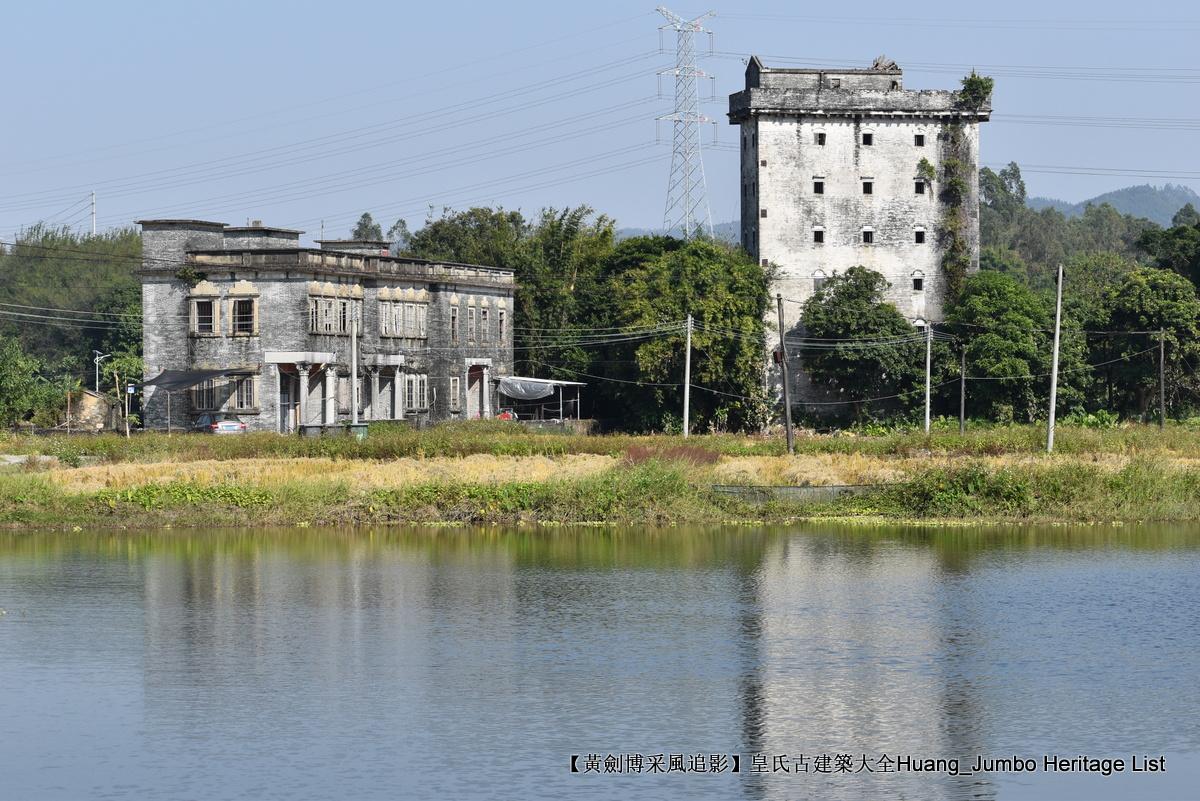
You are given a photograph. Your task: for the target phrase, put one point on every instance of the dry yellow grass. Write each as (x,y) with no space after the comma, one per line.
(364,474)
(803,470)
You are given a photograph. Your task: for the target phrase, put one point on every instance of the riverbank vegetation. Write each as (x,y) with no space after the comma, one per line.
(501,473)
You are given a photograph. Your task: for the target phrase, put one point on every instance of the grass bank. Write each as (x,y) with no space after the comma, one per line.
(655,483)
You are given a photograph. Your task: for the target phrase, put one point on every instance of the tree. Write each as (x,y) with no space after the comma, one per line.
(1150,299)
(1176,248)
(20,386)
(1186,216)
(367,228)
(399,236)
(976,91)
(1004,326)
(850,306)
(657,280)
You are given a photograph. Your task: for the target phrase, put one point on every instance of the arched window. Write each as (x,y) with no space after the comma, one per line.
(918,281)
(818,280)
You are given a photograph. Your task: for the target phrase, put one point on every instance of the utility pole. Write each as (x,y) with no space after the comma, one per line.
(962,392)
(1054,361)
(1162,378)
(687,377)
(353,363)
(98,357)
(93,213)
(928,368)
(787,392)
(687,203)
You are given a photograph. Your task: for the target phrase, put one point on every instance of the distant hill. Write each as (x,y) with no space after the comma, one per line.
(1157,203)
(725,231)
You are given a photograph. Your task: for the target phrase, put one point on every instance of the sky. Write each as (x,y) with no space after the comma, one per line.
(306,114)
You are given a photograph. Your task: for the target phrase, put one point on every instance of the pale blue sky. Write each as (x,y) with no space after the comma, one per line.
(299,112)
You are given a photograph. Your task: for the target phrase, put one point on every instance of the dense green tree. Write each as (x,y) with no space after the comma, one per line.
(1176,248)
(1186,216)
(656,280)
(851,306)
(367,228)
(54,273)
(20,384)
(1004,327)
(1150,299)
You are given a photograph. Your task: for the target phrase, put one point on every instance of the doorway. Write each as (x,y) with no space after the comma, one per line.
(475,389)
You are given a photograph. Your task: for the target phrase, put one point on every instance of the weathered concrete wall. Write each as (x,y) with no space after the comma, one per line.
(282,281)
(893,212)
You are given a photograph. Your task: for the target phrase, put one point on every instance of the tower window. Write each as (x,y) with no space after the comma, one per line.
(919,140)
(919,236)
(918,284)
(818,235)
(819,138)
(762,213)
(868,187)
(868,139)
(819,187)
(762,163)
(868,236)
(919,187)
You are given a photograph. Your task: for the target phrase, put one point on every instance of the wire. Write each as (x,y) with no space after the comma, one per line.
(1061,371)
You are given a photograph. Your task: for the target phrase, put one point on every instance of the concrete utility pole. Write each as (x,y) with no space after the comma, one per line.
(962,393)
(1054,361)
(687,204)
(687,377)
(1162,378)
(787,392)
(353,363)
(928,369)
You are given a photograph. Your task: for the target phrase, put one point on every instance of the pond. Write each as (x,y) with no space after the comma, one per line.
(809,662)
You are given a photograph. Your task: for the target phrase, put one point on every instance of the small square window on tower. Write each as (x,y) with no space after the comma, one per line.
(918,284)
(819,186)
(868,139)
(818,235)
(919,140)
(868,236)
(819,138)
(762,162)
(868,187)
(919,187)
(762,212)
(919,236)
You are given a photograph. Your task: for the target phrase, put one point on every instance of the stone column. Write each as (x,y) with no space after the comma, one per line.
(487,393)
(302,369)
(398,394)
(372,411)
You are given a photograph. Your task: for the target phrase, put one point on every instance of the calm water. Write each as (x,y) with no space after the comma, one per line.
(473,664)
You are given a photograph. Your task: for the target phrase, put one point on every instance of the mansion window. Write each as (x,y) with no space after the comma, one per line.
(500,324)
(245,316)
(483,325)
(204,396)
(332,316)
(454,325)
(398,319)
(416,391)
(204,316)
(455,392)
(471,324)
(244,396)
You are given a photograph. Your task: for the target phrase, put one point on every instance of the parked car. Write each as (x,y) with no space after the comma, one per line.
(219,424)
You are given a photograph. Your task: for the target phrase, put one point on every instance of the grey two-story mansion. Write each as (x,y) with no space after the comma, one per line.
(276,318)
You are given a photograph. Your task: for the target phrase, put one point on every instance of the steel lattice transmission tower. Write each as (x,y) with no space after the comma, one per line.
(687,200)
